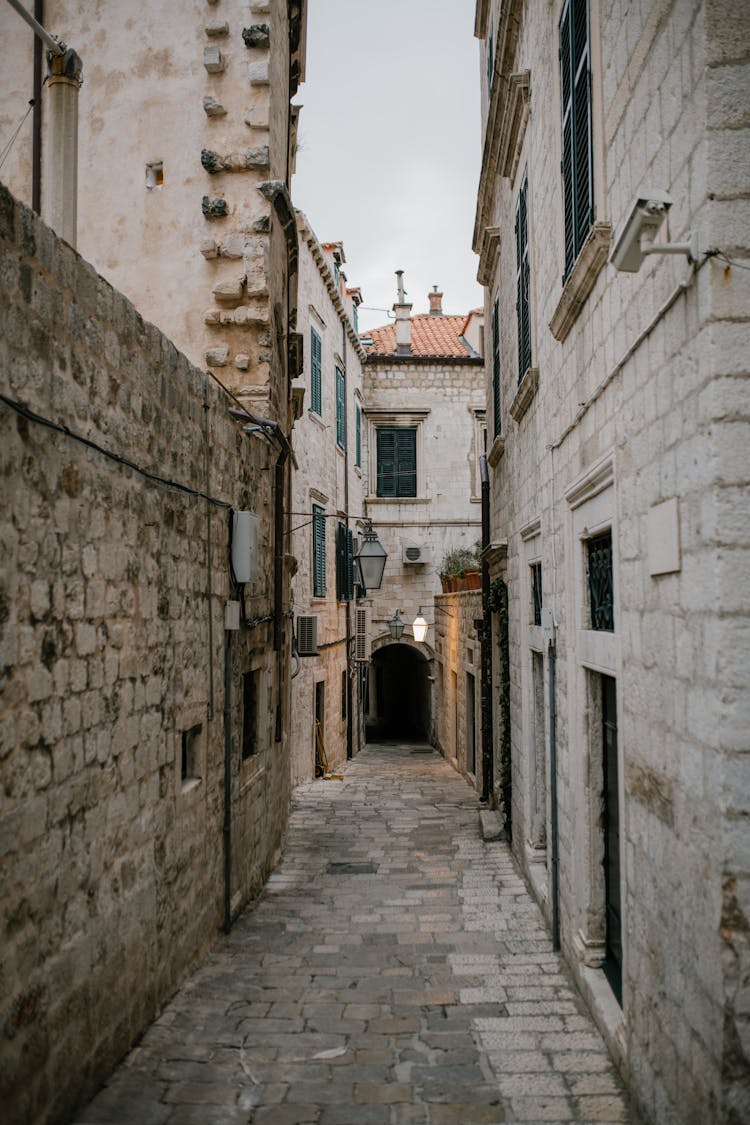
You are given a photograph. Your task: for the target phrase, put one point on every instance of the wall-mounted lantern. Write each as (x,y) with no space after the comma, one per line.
(370,560)
(420,627)
(396,626)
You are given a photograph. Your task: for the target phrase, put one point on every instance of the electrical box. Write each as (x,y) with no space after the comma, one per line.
(245,546)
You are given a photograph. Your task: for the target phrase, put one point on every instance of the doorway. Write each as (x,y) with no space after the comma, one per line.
(611,825)
(471,729)
(400,705)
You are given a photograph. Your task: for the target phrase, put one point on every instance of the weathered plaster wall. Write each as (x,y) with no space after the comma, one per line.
(199,272)
(110,865)
(458,655)
(649,381)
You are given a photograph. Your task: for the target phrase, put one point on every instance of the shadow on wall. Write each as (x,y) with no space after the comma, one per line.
(399,705)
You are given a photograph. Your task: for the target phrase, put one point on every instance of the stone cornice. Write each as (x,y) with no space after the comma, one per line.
(524,395)
(481,13)
(513,127)
(497,449)
(310,238)
(592,480)
(581,279)
(391,359)
(489,251)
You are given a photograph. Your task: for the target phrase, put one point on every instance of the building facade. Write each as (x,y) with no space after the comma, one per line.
(147,656)
(617,418)
(326,511)
(423,434)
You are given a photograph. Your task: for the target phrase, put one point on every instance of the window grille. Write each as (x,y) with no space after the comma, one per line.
(600,582)
(536,591)
(577,156)
(397,461)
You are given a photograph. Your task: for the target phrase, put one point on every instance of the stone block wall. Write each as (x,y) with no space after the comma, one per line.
(112,657)
(458,657)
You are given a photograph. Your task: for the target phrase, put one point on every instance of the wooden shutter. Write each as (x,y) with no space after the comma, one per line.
(496,368)
(577,158)
(523,281)
(349,565)
(397,461)
(386,453)
(319,552)
(340,409)
(316,388)
(358,424)
(406,462)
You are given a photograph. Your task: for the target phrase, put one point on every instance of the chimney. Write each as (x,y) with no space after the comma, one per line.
(402,311)
(436,302)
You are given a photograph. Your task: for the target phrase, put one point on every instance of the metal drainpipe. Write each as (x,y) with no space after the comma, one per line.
(553,801)
(228,783)
(36,142)
(486,651)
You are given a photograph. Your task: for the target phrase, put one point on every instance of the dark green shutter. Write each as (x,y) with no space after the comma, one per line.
(397,461)
(496,369)
(340,409)
(349,566)
(577,158)
(358,423)
(316,387)
(523,281)
(344,563)
(319,552)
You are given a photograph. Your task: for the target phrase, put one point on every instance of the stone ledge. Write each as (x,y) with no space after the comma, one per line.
(488,255)
(581,278)
(527,388)
(513,127)
(497,449)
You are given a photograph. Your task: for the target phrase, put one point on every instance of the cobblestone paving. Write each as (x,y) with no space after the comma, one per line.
(414,984)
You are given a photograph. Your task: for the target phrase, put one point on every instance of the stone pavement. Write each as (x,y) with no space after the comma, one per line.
(394,970)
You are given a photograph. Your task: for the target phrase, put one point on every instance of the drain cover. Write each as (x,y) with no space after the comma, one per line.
(352,868)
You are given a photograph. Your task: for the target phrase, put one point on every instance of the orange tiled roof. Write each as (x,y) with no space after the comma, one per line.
(430,335)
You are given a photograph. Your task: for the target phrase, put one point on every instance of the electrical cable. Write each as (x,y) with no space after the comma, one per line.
(727,261)
(19,127)
(149,474)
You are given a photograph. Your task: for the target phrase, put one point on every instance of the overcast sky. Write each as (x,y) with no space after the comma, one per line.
(390,146)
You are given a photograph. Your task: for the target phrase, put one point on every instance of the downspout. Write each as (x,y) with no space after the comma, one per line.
(36,135)
(228,783)
(486,645)
(554,843)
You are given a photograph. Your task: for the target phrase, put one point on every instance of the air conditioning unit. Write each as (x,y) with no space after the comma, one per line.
(413,553)
(362,634)
(307,635)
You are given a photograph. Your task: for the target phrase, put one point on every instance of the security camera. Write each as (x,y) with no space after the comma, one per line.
(638,236)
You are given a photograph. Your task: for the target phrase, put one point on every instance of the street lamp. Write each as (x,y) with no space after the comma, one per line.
(370,560)
(396,626)
(420,627)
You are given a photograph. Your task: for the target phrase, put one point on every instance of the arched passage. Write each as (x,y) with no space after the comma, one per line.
(400,698)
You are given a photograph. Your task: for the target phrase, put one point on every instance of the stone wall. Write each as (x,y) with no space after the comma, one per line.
(112,652)
(458,668)
(638,424)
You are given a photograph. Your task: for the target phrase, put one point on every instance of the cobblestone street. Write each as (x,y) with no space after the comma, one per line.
(394,970)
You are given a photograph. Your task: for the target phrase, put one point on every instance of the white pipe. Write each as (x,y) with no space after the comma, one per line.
(54,45)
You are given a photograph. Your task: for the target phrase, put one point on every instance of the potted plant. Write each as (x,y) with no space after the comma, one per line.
(460,570)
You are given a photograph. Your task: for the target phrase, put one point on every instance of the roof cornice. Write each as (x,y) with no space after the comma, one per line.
(308,234)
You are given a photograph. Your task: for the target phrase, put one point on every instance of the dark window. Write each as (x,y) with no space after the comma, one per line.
(577,160)
(536,591)
(344,564)
(250,714)
(319,552)
(397,461)
(496,368)
(316,379)
(611,825)
(522,281)
(600,582)
(340,409)
(343,694)
(358,435)
(190,756)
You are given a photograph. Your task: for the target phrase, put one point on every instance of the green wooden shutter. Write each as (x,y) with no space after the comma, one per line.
(496,368)
(316,381)
(340,409)
(577,156)
(406,462)
(319,552)
(340,562)
(349,565)
(523,281)
(358,425)
(386,454)
(397,461)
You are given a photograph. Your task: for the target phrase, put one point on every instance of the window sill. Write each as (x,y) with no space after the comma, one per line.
(497,449)
(190,785)
(397,499)
(527,388)
(587,267)
(316,418)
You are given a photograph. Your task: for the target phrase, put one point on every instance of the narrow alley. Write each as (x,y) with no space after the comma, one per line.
(394,970)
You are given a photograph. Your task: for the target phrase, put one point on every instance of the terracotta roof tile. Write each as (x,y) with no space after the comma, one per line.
(430,335)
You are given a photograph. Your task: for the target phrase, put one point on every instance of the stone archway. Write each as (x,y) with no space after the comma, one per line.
(401,696)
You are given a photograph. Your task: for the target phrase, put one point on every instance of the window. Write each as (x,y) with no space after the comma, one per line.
(319,552)
(600,582)
(358,435)
(344,564)
(316,381)
(336,273)
(536,592)
(250,714)
(577,156)
(343,694)
(496,369)
(190,757)
(397,461)
(522,280)
(340,409)
(355,318)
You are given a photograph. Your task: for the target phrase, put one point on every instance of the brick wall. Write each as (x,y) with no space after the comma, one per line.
(111,865)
